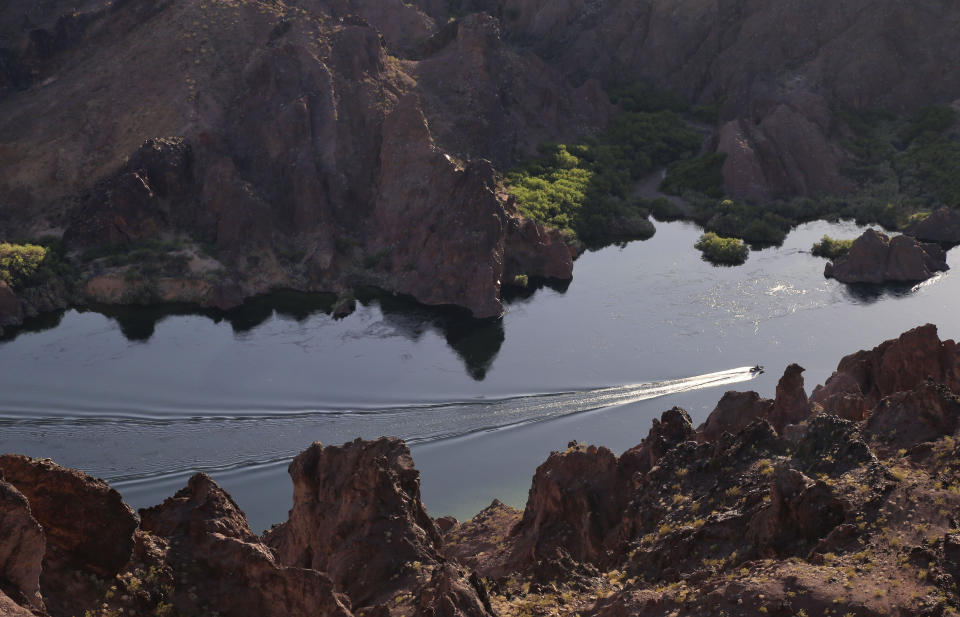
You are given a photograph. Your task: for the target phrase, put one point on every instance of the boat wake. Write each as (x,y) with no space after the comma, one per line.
(144,446)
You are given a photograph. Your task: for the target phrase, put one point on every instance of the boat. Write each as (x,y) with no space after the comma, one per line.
(756,369)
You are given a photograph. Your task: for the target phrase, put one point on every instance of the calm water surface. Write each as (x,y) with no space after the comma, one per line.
(145,398)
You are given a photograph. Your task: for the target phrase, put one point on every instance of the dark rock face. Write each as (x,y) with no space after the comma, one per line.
(942,227)
(573,505)
(876,258)
(11,310)
(801,512)
(233,572)
(88,529)
(357,516)
(22,546)
(733,413)
(460,253)
(904,419)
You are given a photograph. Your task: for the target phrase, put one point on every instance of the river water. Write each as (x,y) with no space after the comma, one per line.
(144,398)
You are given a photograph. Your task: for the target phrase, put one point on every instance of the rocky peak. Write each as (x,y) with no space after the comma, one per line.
(357,516)
(574,503)
(790,406)
(734,412)
(673,427)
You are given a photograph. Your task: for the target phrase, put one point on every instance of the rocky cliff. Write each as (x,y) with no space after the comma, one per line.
(771,507)
(325,144)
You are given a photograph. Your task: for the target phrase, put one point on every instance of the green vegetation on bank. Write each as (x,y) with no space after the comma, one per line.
(723,251)
(25,264)
(583,188)
(831,248)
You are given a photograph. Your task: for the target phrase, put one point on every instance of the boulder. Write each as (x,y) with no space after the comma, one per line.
(941,226)
(228,569)
(876,258)
(88,529)
(22,547)
(734,412)
(357,515)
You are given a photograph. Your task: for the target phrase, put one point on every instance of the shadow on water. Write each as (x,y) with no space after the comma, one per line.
(867,293)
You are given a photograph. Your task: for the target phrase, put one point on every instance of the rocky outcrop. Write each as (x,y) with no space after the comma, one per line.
(87,526)
(232,572)
(357,516)
(674,427)
(896,365)
(22,547)
(876,258)
(734,412)
(941,226)
(573,505)
(536,251)
(790,405)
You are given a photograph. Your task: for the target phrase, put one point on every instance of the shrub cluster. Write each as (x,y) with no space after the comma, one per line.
(724,251)
(20,263)
(831,248)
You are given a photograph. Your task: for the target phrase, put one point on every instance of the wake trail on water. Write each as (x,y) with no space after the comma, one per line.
(143,446)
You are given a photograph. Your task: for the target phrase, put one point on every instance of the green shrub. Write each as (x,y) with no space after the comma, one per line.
(20,263)
(718,250)
(521,280)
(665,210)
(703,174)
(831,248)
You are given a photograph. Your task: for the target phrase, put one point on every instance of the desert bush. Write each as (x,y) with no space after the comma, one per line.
(831,248)
(20,263)
(719,250)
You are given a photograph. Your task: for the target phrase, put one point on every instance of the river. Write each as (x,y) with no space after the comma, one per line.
(145,397)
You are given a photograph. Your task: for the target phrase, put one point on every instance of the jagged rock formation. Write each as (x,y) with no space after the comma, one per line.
(843,517)
(876,258)
(87,527)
